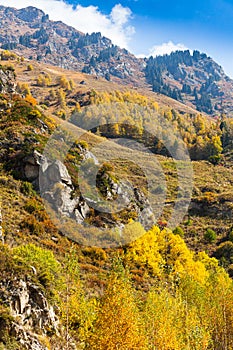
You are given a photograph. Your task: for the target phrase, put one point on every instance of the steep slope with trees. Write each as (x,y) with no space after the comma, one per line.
(151,292)
(192,78)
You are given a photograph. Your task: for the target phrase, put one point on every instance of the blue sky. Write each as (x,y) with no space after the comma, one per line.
(150,27)
(206,25)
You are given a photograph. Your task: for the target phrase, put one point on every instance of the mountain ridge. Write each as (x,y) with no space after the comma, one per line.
(48,37)
(30,32)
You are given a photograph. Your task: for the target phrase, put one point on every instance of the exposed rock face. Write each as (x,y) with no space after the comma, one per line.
(130,198)
(199,81)
(145,212)
(30,14)
(193,79)
(32,165)
(30,32)
(56,187)
(26,339)
(7,81)
(55,184)
(31,311)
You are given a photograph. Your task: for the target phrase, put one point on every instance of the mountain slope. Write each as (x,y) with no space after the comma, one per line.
(30,32)
(195,80)
(57,294)
(201,134)
(83,82)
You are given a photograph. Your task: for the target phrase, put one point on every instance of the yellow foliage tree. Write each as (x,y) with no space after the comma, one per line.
(30,99)
(24,89)
(43,80)
(8,55)
(171,324)
(65,83)
(179,260)
(30,67)
(72,84)
(61,95)
(77,313)
(118,324)
(145,251)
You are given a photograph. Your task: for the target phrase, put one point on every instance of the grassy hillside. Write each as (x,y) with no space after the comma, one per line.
(213,185)
(30,76)
(161,291)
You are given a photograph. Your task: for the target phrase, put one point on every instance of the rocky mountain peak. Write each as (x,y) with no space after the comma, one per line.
(193,79)
(30,33)
(30,14)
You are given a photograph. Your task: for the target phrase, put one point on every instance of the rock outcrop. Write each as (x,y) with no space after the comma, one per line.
(32,166)
(56,188)
(145,212)
(7,80)
(55,185)
(31,314)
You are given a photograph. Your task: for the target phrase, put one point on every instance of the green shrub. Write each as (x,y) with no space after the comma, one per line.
(10,267)
(33,205)
(210,235)
(230,236)
(27,189)
(178,231)
(215,159)
(47,267)
(225,252)
(189,222)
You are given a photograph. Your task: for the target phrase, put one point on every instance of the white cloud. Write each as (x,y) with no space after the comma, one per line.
(86,19)
(166,48)
(120,14)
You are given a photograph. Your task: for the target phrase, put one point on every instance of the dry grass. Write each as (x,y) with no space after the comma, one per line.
(100,84)
(209,180)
